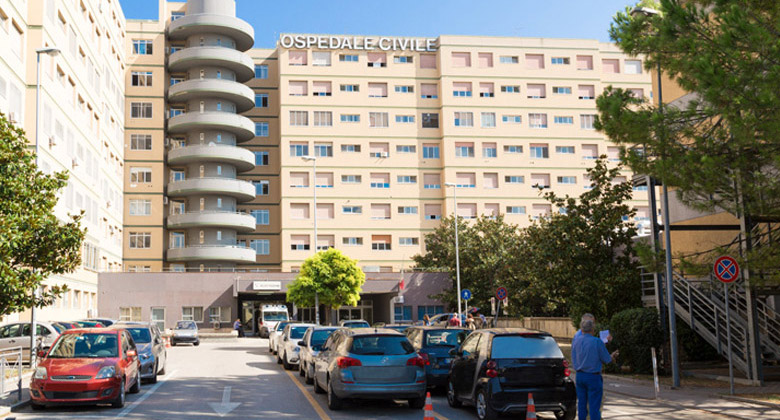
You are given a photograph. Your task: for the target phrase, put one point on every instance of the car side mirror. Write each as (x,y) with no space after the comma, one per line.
(132,353)
(302,343)
(41,354)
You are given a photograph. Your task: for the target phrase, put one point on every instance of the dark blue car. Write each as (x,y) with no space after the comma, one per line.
(434,345)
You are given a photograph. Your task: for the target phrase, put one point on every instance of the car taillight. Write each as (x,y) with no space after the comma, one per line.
(345,362)
(426,359)
(491,369)
(417,361)
(99,325)
(565,363)
(566,372)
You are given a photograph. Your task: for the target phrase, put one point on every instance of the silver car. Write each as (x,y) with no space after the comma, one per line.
(273,337)
(354,323)
(185,332)
(289,349)
(310,346)
(18,335)
(371,363)
(150,348)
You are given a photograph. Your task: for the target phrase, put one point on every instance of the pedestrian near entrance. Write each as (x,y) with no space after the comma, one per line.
(588,354)
(237,327)
(455,321)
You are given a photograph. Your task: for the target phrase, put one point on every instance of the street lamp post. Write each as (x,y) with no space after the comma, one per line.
(646,11)
(313,160)
(457,248)
(52,52)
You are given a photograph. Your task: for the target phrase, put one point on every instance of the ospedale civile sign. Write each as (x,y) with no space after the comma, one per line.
(367,43)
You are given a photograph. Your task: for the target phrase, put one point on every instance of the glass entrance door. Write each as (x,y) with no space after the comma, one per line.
(249,310)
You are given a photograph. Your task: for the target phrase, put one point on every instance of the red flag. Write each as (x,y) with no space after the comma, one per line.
(401,285)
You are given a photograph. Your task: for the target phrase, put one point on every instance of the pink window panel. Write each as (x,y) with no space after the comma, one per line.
(377,57)
(642,213)
(427,61)
(380,211)
(326,240)
(324,211)
(297,88)
(542,180)
(297,58)
(324,178)
(377,89)
(541,210)
(433,209)
(536,91)
(485,60)
(431,179)
(465,178)
(638,93)
(491,180)
(590,151)
(491,209)
(486,88)
(379,148)
(381,178)
(618,180)
(461,59)
(429,89)
(464,144)
(381,239)
(299,211)
(299,179)
(613,153)
(461,86)
(534,61)
(584,62)
(321,87)
(586,91)
(299,239)
(610,65)
(467,210)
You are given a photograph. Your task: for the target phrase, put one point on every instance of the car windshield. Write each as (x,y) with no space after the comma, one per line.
(298,332)
(381,345)
(140,335)
(186,325)
(86,345)
(275,316)
(356,324)
(447,338)
(525,347)
(280,326)
(318,338)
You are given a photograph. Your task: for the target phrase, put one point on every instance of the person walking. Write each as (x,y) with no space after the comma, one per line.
(470,322)
(588,354)
(427,320)
(455,320)
(237,327)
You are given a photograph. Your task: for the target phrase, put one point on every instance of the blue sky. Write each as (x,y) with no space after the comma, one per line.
(587,19)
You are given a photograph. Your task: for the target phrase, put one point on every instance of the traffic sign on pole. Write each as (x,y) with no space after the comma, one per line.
(465,294)
(726,269)
(501,293)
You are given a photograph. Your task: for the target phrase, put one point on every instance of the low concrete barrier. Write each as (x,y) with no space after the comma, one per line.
(561,328)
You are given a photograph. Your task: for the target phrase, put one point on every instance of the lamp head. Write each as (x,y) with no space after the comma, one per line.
(52,51)
(309,158)
(646,11)
(449,184)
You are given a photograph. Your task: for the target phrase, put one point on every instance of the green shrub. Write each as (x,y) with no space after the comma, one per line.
(693,348)
(634,332)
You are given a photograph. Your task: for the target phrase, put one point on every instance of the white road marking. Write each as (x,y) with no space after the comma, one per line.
(146,395)
(225,406)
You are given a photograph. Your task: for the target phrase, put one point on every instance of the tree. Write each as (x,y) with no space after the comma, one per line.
(582,259)
(334,277)
(487,249)
(34,244)
(720,145)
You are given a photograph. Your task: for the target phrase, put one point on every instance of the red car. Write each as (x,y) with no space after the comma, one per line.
(87,366)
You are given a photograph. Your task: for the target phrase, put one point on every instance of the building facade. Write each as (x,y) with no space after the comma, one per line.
(80,126)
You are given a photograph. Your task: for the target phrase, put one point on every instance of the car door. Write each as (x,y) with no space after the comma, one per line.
(9,336)
(131,367)
(305,351)
(158,348)
(468,365)
(322,360)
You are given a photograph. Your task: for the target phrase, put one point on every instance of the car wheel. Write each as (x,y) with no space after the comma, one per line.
(417,403)
(452,399)
(162,371)
(301,371)
(569,414)
(317,388)
(278,358)
(153,380)
(119,401)
(285,363)
(197,343)
(308,377)
(484,411)
(334,402)
(136,388)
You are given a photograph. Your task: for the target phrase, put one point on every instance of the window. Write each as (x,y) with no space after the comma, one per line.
(377,90)
(534,61)
(323,180)
(380,180)
(540,211)
(298,88)
(350,118)
(297,58)
(177,175)
(261,246)
(299,242)
(323,149)
(633,67)
(427,61)
(126,313)
(402,313)
(587,121)
(220,313)
(462,89)
(431,181)
(508,59)
(377,59)
(262,217)
(510,89)
(429,91)
(590,151)
(563,120)
(299,118)
(350,148)
(403,59)
(464,149)
(540,180)
(142,46)
(381,243)
(404,89)
(610,65)
(586,91)
(140,207)
(261,100)
(489,150)
(539,151)
(515,209)
(140,175)
(175,80)
(513,149)
(261,71)
(140,240)
(379,150)
(348,58)
(467,210)
(141,78)
(514,179)
(406,149)
(352,241)
(537,91)
(486,90)
(380,211)
(561,90)
(430,151)
(488,119)
(409,242)
(140,142)
(490,180)
(564,150)
(261,158)
(407,210)
(485,60)
(404,119)
(461,59)
(537,120)
(351,179)
(320,58)
(299,149)
(638,93)
(261,187)
(175,16)
(429,310)
(464,119)
(430,120)
(321,88)
(350,88)
(407,179)
(352,209)
(432,211)
(613,154)
(465,180)
(512,119)
(261,129)
(141,110)
(377,119)
(567,179)
(299,211)
(560,60)
(584,62)
(174,111)
(323,118)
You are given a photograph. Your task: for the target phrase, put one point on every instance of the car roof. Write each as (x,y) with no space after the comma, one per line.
(513,331)
(434,327)
(92,330)
(300,324)
(325,327)
(129,325)
(372,331)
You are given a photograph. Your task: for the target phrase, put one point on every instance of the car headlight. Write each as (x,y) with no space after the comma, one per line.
(106,372)
(40,373)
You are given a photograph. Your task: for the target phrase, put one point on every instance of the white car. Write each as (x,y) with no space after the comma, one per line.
(310,346)
(289,350)
(273,337)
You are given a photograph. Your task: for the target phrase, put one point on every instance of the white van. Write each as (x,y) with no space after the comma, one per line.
(271,315)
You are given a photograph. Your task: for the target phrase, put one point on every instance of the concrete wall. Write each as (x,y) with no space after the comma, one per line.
(558,327)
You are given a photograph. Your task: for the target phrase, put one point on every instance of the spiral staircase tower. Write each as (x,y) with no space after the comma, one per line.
(204,221)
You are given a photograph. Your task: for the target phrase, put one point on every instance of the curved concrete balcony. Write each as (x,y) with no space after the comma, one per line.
(241,222)
(236,188)
(241,126)
(232,27)
(239,157)
(242,95)
(232,253)
(237,61)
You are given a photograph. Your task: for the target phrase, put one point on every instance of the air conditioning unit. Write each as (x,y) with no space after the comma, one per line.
(165,200)
(384,154)
(52,143)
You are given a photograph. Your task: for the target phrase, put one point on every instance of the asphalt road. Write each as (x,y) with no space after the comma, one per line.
(241,380)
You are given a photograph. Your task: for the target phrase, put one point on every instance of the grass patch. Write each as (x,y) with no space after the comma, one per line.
(770,398)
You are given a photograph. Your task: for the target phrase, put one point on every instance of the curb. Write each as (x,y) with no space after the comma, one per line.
(14,408)
(748,400)
(681,406)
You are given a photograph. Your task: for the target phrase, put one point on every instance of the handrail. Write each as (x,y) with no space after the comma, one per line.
(16,354)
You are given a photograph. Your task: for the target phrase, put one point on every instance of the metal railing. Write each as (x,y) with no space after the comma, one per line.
(10,362)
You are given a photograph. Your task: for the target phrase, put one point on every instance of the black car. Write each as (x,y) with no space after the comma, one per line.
(495,369)
(433,344)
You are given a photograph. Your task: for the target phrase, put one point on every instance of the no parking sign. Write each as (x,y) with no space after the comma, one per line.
(726,269)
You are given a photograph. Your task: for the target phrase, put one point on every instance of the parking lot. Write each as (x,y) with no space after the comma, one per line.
(239,379)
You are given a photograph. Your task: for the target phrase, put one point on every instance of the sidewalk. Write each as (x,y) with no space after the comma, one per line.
(10,401)
(705,399)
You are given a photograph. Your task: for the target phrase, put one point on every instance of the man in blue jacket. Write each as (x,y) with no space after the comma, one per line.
(588,353)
